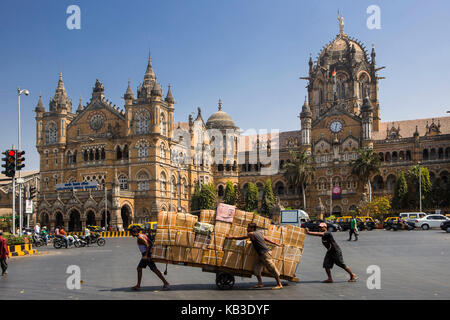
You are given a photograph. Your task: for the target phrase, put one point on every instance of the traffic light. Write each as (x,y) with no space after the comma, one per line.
(20,160)
(32,193)
(10,163)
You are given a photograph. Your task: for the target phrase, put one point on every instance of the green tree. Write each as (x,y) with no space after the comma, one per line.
(299,171)
(377,208)
(268,199)
(400,191)
(441,190)
(195,204)
(207,198)
(251,198)
(230,194)
(412,179)
(367,164)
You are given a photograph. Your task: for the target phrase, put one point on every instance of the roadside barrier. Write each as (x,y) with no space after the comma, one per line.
(106,234)
(21,250)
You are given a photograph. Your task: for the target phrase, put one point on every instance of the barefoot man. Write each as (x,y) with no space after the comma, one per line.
(334,253)
(145,246)
(264,257)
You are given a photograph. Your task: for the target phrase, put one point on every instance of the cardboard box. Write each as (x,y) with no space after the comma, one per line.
(194,255)
(276,252)
(203,228)
(286,267)
(291,254)
(159,252)
(225,212)
(217,241)
(237,231)
(201,241)
(176,254)
(212,257)
(249,261)
(165,237)
(222,227)
(242,218)
(208,216)
(261,222)
(234,245)
(185,239)
(233,260)
(167,220)
(293,236)
(273,233)
(185,221)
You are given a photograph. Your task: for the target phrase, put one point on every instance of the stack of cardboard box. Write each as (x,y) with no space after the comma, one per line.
(182,237)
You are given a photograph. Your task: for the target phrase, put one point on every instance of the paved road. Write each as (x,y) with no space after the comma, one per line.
(414,265)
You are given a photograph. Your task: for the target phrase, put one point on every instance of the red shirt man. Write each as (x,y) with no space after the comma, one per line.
(4,254)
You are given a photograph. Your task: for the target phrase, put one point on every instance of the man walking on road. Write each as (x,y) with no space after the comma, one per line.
(334,253)
(353,229)
(4,254)
(264,257)
(145,246)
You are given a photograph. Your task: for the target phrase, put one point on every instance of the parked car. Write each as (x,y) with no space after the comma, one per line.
(314,225)
(408,216)
(369,223)
(446,226)
(430,221)
(344,223)
(389,221)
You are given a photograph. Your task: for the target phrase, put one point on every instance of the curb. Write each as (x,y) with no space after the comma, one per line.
(106,234)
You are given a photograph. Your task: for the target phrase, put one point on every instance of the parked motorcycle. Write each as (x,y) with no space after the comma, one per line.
(38,241)
(404,225)
(79,242)
(58,242)
(95,238)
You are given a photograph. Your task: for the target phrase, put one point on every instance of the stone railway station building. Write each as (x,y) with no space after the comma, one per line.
(138,154)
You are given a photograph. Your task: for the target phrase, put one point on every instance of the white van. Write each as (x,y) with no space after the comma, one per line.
(408,216)
(294,217)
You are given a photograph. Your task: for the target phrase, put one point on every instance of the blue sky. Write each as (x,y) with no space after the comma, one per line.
(249,53)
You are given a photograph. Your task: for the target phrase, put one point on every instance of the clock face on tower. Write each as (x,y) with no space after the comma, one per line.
(336,126)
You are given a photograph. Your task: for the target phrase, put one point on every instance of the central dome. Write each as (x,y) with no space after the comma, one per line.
(220,120)
(340,49)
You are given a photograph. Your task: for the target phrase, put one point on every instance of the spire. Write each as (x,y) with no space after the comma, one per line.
(149,73)
(169,97)
(60,99)
(99,91)
(157,91)
(416,133)
(129,93)
(80,106)
(306,111)
(40,105)
(220,105)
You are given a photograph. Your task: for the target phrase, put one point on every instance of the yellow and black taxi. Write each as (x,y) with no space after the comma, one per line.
(370,224)
(397,223)
(344,223)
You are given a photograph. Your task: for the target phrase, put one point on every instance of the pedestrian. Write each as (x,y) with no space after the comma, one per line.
(44,234)
(333,255)
(4,254)
(145,246)
(353,229)
(37,229)
(264,257)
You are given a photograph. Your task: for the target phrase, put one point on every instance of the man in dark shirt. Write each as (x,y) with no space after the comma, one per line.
(264,256)
(334,253)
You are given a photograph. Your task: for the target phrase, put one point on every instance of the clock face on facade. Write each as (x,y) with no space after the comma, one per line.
(336,126)
(96,122)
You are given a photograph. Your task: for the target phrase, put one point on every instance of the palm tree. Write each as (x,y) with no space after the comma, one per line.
(299,171)
(365,165)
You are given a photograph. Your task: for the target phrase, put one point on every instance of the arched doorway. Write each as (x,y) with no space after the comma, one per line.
(125,213)
(90,218)
(44,220)
(108,219)
(74,221)
(59,220)
(337,211)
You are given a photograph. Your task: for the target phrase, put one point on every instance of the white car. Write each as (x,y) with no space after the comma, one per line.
(411,216)
(430,221)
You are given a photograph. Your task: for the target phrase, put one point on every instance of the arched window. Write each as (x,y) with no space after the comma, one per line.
(69,157)
(162,183)
(425,154)
(123,182)
(220,191)
(163,124)
(51,133)
(119,153)
(142,122)
(173,186)
(279,188)
(143,181)
(162,151)
(390,183)
(364,87)
(85,155)
(125,152)
(378,183)
(143,152)
(184,188)
(102,154)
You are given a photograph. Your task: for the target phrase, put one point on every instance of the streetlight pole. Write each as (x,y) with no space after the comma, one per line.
(19,92)
(420,188)
(14,201)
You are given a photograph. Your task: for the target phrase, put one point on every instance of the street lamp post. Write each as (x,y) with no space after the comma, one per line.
(19,92)
(420,188)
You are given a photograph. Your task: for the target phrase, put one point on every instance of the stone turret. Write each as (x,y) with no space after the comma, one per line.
(60,102)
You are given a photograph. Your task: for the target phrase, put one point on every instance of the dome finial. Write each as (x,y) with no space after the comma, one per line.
(341,24)
(220,105)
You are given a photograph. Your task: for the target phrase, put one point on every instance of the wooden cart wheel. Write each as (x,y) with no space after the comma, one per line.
(224,280)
